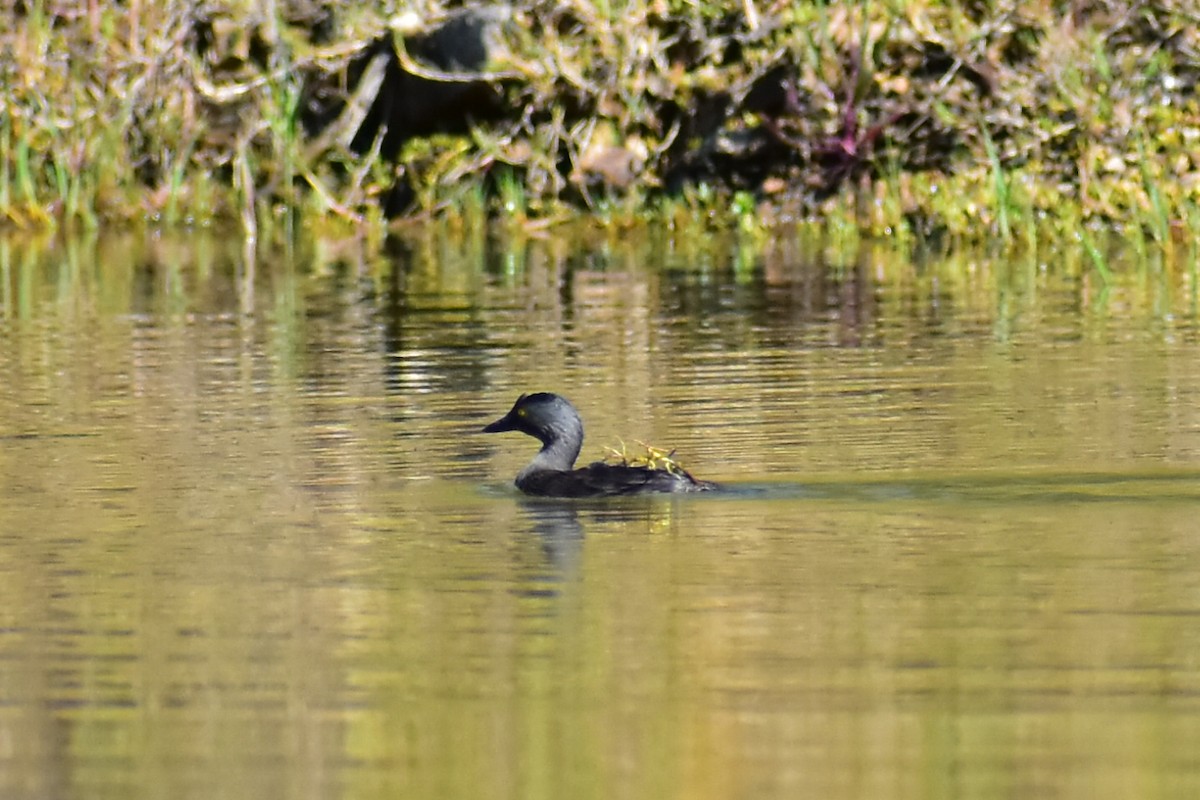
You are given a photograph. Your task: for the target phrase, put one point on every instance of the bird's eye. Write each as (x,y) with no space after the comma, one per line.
(520,412)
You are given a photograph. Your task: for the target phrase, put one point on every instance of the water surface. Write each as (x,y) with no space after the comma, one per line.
(252,544)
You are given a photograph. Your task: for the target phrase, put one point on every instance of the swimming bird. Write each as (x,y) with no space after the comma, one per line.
(552,420)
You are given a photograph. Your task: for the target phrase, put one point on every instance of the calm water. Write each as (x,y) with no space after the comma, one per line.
(252,545)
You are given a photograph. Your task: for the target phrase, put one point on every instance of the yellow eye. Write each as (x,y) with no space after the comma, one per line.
(520,412)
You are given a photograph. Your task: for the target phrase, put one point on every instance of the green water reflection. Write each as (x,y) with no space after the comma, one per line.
(251,547)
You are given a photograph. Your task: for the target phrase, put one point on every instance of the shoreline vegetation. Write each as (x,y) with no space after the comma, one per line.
(1000,120)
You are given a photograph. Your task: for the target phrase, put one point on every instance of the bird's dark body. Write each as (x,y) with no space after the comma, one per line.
(608,480)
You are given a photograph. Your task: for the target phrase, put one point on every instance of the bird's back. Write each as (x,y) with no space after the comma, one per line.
(610,480)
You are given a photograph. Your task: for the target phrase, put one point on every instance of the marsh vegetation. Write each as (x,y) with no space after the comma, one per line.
(1006,120)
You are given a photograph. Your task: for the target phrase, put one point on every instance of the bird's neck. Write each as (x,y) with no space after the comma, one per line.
(558,453)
